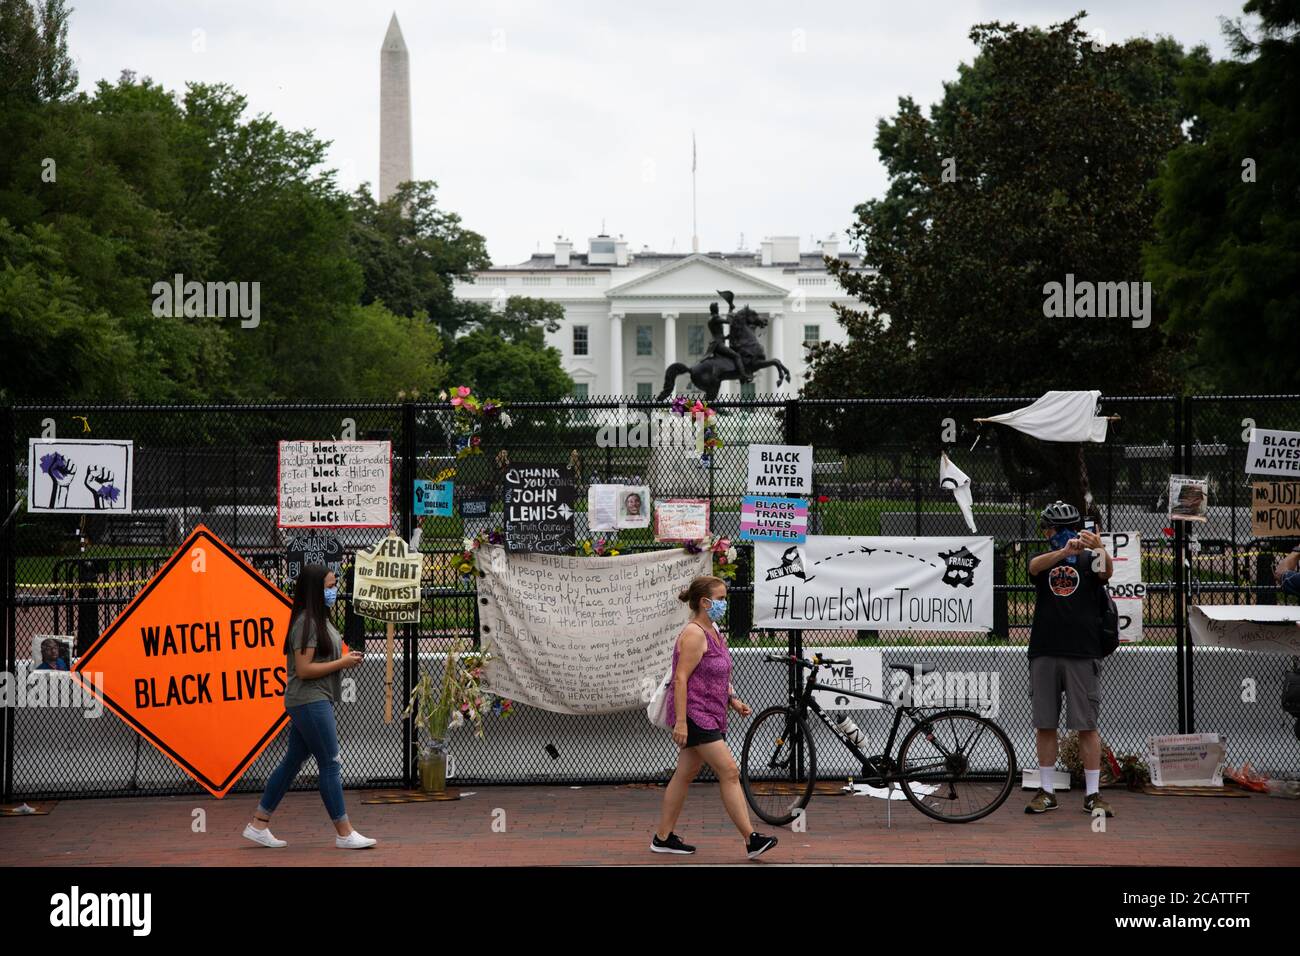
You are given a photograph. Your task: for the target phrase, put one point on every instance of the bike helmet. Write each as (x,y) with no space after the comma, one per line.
(1059,515)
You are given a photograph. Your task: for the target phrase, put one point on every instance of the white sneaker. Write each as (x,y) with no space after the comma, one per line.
(353,841)
(264,837)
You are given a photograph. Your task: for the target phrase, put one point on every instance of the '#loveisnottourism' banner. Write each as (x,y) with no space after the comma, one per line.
(831,582)
(582,635)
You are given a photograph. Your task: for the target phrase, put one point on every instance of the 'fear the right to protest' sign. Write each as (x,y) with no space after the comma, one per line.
(539,510)
(388,579)
(335,484)
(1275,509)
(1273,453)
(195,664)
(780,470)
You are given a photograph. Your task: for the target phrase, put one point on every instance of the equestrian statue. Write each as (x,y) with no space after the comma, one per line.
(733,356)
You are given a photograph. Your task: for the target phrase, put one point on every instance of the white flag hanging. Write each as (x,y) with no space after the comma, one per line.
(1058,416)
(958,482)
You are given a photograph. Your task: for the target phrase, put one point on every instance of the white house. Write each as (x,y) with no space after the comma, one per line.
(628,316)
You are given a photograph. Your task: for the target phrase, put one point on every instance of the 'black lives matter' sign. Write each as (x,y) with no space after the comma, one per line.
(538,505)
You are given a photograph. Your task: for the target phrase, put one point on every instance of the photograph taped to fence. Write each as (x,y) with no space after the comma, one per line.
(925,584)
(79,476)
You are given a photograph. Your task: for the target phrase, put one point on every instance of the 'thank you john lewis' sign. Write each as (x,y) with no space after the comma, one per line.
(780,470)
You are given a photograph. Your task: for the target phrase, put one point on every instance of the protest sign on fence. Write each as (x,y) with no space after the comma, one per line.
(79,476)
(831,582)
(539,510)
(779,470)
(582,635)
(773,519)
(1275,509)
(335,484)
(1273,452)
(1125,584)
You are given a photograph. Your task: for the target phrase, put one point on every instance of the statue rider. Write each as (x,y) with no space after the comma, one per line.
(719,344)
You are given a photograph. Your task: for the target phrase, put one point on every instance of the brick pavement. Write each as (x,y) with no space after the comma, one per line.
(612,826)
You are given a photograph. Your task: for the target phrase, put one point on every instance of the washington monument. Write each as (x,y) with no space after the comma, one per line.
(394,112)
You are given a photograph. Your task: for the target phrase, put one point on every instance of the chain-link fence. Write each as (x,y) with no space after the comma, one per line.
(875,473)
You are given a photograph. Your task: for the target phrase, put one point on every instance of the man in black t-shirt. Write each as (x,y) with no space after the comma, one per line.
(1065,649)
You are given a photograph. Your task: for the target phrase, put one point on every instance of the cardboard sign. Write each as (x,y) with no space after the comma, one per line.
(79,476)
(335,484)
(1125,584)
(863,675)
(196,664)
(1273,453)
(780,470)
(539,510)
(387,582)
(1275,509)
(313,548)
(1187,760)
(681,519)
(773,519)
(434,498)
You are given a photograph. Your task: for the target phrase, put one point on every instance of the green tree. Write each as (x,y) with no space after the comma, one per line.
(504,354)
(1226,261)
(1035,165)
(34,63)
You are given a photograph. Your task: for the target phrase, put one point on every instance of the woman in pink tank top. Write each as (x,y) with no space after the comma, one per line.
(698,699)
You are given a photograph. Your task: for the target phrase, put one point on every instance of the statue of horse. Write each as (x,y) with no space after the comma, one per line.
(710,372)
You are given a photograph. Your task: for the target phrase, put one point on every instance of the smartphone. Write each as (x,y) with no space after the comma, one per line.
(1089,525)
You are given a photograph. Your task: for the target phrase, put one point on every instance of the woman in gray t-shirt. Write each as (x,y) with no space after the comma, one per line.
(314,657)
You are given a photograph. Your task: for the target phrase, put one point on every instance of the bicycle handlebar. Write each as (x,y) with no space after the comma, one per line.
(817,661)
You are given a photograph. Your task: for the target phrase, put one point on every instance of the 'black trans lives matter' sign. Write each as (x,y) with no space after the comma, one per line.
(539,510)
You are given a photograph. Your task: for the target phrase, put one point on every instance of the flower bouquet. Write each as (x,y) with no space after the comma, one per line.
(724,555)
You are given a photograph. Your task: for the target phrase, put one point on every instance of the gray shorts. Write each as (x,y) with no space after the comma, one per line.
(1079,678)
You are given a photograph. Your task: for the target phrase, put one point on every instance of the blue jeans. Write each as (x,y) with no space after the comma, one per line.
(311,734)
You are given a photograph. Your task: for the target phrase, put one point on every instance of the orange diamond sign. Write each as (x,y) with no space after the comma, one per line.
(196,662)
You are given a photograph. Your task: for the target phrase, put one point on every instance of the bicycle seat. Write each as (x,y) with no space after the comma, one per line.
(912,668)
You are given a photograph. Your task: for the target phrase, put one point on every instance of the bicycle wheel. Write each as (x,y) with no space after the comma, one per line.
(767,769)
(956,766)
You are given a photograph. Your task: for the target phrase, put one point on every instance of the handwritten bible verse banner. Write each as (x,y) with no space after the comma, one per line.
(582,635)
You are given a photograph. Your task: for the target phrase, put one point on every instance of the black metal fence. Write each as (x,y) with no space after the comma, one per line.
(875,472)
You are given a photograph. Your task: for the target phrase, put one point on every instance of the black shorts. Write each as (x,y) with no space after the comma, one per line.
(695,734)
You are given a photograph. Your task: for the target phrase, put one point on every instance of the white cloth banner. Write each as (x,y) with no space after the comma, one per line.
(958,482)
(1059,416)
(582,635)
(1125,584)
(870,583)
(1271,628)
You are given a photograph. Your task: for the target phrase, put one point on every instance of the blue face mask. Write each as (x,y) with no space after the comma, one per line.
(717,609)
(1059,540)
(331,595)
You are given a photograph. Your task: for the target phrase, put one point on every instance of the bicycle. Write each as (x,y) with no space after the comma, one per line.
(929,769)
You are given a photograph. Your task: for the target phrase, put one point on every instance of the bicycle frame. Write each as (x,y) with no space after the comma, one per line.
(808,702)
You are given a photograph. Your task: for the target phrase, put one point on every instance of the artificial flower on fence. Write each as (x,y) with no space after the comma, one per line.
(469,414)
(706,425)
(724,555)
(466,563)
(599,547)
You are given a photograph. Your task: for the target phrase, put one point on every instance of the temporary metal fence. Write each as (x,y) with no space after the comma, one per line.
(875,473)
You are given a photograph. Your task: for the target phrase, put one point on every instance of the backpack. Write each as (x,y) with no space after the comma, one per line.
(1109,623)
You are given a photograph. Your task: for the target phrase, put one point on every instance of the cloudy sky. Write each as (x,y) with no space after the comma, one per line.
(538,119)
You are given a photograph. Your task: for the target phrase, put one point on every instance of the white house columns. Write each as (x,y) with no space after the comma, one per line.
(670,338)
(616,353)
(776,343)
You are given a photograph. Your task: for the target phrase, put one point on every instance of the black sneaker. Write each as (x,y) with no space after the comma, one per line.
(759,844)
(673,844)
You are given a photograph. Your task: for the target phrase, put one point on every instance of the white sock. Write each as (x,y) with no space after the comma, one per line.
(1091,782)
(1045,778)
